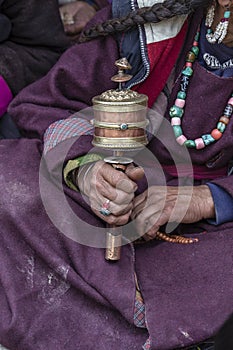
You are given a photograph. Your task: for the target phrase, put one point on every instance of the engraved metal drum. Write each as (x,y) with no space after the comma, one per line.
(120,119)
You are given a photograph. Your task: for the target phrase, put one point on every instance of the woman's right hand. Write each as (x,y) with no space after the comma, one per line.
(75,16)
(107,186)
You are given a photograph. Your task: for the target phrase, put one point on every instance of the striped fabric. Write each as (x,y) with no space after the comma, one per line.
(140,317)
(139,314)
(147,345)
(64,129)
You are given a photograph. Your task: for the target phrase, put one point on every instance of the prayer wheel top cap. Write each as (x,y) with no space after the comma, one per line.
(120,96)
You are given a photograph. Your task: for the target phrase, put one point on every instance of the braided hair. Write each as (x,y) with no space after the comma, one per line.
(153,14)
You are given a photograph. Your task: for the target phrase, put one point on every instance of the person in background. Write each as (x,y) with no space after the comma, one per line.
(31,41)
(76,14)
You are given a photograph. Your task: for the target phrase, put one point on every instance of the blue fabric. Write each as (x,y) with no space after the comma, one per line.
(91,2)
(130,46)
(8,129)
(223,65)
(223,202)
(5,27)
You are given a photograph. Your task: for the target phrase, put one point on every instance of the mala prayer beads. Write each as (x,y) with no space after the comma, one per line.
(175,238)
(161,236)
(177,110)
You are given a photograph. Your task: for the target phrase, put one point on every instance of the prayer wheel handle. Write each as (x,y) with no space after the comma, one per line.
(114,233)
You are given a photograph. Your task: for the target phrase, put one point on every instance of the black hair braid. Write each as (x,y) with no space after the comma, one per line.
(153,14)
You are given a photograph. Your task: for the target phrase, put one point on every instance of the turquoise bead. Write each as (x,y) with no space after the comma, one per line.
(188,71)
(221,127)
(181,95)
(124,126)
(209,31)
(176,112)
(190,144)
(195,50)
(208,139)
(227,14)
(177,131)
(196,38)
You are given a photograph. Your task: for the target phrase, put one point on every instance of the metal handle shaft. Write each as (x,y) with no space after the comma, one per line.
(114,233)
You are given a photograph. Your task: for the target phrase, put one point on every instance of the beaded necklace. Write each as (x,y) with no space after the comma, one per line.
(177,110)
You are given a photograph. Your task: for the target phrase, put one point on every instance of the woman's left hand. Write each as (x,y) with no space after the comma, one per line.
(161,204)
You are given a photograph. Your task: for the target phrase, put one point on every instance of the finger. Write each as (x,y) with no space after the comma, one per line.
(112,219)
(139,203)
(149,213)
(134,173)
(151,233)
(137,210)
(146,220)
(115,209)
(102,190)
(116,179)
(141,198)
(72,29)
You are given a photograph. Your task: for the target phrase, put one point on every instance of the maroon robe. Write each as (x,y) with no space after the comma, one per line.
(58,293)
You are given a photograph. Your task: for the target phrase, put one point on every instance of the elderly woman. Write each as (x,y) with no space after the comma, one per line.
(27,50)
(57,289)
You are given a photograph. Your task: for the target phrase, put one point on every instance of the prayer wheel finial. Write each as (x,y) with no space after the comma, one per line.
(121,77)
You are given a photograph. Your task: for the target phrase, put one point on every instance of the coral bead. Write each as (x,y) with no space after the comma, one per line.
(230,102)
(199,143)
(216,134)
(181,139)
(179,102)
(175,121)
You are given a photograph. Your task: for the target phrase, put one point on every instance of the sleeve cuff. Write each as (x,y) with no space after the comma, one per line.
(223,202)
(5,96)
(76,163)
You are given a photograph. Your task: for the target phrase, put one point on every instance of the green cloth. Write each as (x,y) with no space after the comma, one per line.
(76,163)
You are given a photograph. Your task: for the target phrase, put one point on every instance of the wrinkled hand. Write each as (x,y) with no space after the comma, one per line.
(161,204)
(103,183)
(75,16)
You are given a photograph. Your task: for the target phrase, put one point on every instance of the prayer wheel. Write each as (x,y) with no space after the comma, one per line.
(119,126)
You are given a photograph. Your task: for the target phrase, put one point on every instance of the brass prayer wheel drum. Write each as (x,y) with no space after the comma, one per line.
(120,117)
